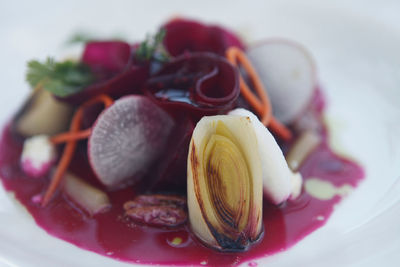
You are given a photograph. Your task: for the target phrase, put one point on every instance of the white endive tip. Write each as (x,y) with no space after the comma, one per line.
(279,182)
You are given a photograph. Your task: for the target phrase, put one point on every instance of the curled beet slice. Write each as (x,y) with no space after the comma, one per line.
(191,36)
(127,82)
(126,140)
(197,84)
(116,73)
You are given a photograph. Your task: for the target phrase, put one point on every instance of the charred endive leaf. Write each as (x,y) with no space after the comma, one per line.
(225,183)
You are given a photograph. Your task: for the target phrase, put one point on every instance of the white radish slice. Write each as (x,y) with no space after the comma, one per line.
(288,73)
(126,139)
(277,177)
(88,197)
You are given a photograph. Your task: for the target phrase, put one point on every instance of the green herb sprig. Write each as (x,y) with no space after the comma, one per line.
(60,78)
(152,49)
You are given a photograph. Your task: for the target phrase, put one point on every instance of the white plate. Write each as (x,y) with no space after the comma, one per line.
(356,47)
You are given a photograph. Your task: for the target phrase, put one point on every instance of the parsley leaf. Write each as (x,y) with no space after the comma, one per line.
(60,78)
(153,49)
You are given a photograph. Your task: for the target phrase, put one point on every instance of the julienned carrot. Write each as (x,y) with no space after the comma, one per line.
(262,104)
(71,138)
(280,129)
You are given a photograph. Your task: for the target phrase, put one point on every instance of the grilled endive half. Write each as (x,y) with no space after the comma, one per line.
(225,183)
(279,182)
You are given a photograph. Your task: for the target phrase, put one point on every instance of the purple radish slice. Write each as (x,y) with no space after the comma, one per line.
(126,83)
(126,140)
(288,73)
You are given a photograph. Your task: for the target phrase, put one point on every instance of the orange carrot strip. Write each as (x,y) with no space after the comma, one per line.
(71,145)
(262,106)
(69,136)
(65,159)
(284,132)
(105,99)
(232,56)
(235,56)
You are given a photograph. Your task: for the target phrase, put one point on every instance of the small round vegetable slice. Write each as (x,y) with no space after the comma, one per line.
(126,139)
(288,73)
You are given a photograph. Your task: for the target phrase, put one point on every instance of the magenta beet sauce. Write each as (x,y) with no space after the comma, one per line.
(112,235)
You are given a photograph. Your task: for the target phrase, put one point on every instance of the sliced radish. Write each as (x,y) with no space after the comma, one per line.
(288,73)
(126,139)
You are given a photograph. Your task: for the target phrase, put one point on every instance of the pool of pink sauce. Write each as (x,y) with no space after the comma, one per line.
(111,235)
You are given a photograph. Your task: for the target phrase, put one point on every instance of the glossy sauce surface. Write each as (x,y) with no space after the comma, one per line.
(112,235)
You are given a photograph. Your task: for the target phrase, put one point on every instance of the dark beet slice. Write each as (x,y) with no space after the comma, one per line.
(191,36)
(125,83)
(126,139)
(116,72)
(107,56)
(195,84)
(170,174)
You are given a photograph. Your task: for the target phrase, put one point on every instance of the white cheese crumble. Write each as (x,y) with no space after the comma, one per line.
(38,155)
